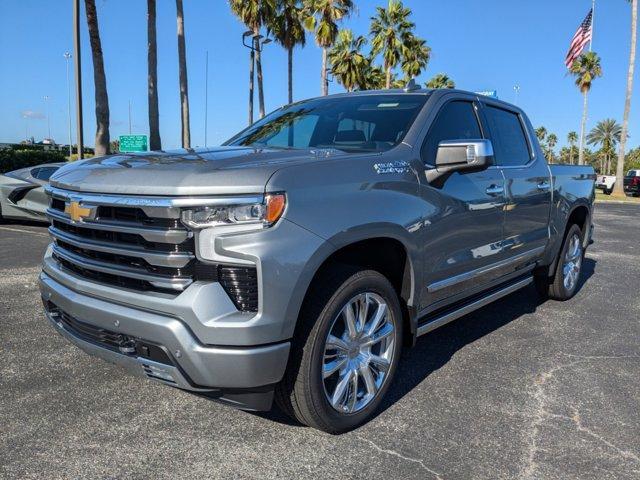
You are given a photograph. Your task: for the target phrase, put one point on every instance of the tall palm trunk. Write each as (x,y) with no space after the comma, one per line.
(388,77)
(152,78)
(100,81)
(571,154)
(618,188)
(182,65)
(259,75)
(582,128)
(324,81)
(290,72)
(252,62)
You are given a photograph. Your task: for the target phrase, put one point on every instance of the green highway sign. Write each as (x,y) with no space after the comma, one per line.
(133,143)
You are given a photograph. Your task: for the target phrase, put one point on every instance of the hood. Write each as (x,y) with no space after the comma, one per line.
(217,171)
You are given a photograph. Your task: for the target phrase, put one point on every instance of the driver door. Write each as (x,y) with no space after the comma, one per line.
(464,226)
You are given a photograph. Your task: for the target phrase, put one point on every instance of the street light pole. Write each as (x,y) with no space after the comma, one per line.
(516,88)
(46,102)
(206,95)
(255,46)
(67,57)
(78,73)
(129,117)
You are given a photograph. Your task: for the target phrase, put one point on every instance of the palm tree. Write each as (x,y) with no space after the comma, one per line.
(586,68)
(373,77)
(255,14)
(347,61)
(152,78)
(572,138)
(391,33)
(99,80)
(552,141)
(541,133)
(441,80)
(182,65)
(618,187)
(607,134)
(415,56)
(322,16)
(289,31)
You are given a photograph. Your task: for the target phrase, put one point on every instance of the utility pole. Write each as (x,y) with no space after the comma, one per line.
(67,57)
(206,95)
(78,73)
(46,102)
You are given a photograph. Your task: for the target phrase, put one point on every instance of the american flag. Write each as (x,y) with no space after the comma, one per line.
(580,39)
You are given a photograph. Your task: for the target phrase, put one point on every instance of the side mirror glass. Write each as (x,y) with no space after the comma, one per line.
(460,156)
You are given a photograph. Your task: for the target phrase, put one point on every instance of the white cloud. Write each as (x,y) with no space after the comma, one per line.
(33,115)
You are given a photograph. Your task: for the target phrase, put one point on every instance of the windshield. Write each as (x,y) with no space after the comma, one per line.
(356,123)
(632,173)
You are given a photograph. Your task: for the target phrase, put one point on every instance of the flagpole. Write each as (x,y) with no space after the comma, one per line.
(593,14)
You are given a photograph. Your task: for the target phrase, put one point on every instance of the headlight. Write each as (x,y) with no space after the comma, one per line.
(261,215)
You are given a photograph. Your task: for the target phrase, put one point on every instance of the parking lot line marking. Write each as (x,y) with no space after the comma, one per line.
(24,231)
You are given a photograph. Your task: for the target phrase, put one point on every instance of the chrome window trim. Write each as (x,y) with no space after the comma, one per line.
(471,274)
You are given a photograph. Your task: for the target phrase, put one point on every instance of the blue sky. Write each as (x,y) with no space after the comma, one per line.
(488,45)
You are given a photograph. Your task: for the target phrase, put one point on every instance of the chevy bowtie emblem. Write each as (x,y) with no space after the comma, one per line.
(76,212)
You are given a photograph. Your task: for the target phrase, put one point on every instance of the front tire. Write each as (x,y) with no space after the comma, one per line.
(345,351)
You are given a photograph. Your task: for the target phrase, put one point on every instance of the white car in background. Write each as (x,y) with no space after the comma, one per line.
(22,195)
(606,183)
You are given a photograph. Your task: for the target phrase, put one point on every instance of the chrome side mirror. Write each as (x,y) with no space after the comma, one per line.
(460,156)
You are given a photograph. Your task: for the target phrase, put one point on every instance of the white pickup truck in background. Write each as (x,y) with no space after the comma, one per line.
(606,183)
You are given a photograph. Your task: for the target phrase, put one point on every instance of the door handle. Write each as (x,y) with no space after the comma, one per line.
(495,190)
(543,186)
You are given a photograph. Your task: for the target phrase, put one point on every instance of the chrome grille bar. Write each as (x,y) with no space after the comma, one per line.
(160,281)
(162,259)
(159,235)
(132,241)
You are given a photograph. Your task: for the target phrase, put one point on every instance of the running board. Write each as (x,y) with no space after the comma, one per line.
(470,307)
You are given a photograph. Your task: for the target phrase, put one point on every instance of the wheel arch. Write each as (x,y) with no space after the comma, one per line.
(579,214)
(378,248)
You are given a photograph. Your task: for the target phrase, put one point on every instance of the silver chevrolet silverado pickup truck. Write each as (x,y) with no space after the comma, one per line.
(297,260)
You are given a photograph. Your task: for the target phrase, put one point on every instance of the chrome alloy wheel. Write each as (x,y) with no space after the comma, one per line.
(572,263)
(358,352)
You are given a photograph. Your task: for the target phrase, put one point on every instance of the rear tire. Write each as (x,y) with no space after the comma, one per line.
(564,284)
(314,390)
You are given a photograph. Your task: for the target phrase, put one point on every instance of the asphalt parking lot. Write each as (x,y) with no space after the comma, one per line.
(519,389)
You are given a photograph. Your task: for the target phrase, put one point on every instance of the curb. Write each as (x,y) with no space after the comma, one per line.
(618,202)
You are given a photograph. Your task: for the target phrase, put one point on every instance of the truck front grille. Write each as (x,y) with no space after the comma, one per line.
(137,247)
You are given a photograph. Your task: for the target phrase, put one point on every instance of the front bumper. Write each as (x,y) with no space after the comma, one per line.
(243,376)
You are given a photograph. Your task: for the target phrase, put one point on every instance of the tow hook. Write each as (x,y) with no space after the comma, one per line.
(126,345)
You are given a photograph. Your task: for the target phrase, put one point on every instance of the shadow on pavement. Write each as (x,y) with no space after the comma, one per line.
(435,349)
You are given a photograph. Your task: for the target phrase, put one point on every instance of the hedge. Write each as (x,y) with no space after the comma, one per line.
(14,159)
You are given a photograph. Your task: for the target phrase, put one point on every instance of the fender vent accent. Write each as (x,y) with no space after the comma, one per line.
(241,284)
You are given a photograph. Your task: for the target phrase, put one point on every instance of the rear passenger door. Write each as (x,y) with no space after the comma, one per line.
(527,181)
(463,231)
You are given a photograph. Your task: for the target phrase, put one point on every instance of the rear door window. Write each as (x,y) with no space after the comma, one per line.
(510,144)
